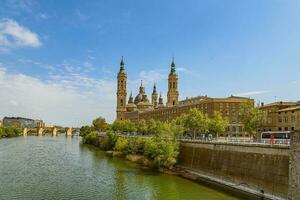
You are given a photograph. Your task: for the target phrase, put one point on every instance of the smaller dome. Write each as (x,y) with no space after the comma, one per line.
(131,105)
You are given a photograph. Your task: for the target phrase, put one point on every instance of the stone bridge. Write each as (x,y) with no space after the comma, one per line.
(69,131)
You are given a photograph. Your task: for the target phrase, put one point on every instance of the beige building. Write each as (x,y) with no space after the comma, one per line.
(141,108)
(281,116)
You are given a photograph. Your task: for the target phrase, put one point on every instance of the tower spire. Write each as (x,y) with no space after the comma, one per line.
(173,70)
(122,64)
(154,88)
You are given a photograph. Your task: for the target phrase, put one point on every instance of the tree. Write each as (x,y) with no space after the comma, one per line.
(251,117)
(100,124)
(195,121)
(142,126)
(85,130)
(217,124)
(129,126)
(177,126)
(124,126)
(118,125)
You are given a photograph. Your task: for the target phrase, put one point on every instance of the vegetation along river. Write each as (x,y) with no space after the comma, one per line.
(45,167)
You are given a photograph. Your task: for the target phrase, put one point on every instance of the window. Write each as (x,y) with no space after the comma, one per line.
(286,128)
(121,102)
(286,119)
(293,119)
(173,84)
(293,128)
(279,128)
(279,119)
(269,120)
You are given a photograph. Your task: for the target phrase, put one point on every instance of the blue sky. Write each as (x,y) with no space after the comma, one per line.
(59,59)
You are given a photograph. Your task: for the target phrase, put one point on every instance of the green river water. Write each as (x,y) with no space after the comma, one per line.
(45,167)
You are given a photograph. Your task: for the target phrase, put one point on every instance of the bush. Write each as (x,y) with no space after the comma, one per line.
(123,145)
(85,130)
(108,142)
(134,145)
(9,132)
(163,152)
(137,145)
(92,138)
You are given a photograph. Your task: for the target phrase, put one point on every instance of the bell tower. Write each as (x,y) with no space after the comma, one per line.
(121,91)
(154,96)
(172,86)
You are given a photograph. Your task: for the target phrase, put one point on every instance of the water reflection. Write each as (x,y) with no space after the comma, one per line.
(62,168)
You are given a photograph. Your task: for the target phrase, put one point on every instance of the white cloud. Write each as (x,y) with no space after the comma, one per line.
(13,35)
(296,82)
(181,69)
(69,100)
(251,93)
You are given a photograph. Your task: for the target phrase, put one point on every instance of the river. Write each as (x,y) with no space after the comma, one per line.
(45,167)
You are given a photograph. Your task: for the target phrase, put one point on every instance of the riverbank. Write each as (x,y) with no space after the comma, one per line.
(238,191)
(7,132)
(214,166)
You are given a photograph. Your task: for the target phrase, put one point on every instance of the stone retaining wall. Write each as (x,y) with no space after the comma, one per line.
(261,168)
(294,180)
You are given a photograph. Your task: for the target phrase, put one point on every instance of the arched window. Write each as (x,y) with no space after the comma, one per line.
(121,102)
(173,84)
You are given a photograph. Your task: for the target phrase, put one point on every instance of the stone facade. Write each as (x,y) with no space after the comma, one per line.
(141,108)
(21,122)
(281,116)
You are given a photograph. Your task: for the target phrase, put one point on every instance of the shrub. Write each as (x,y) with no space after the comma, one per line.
(137,145)
(163,152)
(123,145)
(9,131)
(92,138)
(108,142)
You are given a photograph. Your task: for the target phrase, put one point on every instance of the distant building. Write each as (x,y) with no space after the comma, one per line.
(22,122)
(141,108)
(281,116)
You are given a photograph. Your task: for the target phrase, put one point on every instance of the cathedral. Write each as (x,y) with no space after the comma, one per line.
(140,107)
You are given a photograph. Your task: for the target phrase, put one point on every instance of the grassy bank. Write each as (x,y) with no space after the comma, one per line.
(155,152)
(6,132)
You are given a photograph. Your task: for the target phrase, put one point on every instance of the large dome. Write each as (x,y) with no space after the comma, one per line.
(138,98)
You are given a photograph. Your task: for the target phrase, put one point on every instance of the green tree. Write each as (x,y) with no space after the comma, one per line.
(251,117)
(163,152)
(85,130)
(142,126)
(100,124)
(177,126)
(129,126)
(10,131)
(151,126)
(217,124)
(195,121)
(118,125)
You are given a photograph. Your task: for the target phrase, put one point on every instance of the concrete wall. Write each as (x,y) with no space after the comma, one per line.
(294,181)
(257,167)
